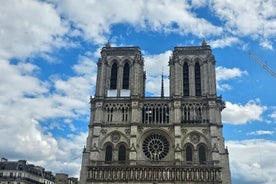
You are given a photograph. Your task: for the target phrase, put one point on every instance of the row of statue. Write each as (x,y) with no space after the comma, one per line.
(154,174)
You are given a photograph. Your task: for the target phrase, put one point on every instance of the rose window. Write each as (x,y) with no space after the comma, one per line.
(155,147)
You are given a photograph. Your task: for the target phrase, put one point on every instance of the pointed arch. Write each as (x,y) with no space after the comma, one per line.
(202,157)
(189,153)
(113,78)
(185,79)
(197,80)
(108,153)
(126,76)
(122,153)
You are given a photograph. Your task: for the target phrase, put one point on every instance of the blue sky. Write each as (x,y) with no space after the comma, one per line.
(48,56)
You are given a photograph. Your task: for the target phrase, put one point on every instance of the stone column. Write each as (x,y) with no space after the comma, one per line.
(192,79)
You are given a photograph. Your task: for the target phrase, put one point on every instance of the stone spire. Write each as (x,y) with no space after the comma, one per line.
(108,44)
(203,43)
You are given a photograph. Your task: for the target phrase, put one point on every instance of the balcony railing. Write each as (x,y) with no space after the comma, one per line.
(156,111)
(153,163)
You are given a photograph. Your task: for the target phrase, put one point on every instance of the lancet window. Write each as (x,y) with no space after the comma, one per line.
(189,153)
(202,154)
(108,153)
(185,79)
(155,114)
(122,153)
(197,80)
(113,78)
(126,76)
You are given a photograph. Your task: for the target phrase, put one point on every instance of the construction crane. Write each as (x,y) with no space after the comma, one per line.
(260,62)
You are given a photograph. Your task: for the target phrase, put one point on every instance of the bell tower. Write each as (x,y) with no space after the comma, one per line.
(137,139)
(120,73)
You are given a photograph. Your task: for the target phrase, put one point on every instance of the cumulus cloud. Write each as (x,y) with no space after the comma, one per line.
(154,65)
(261,132)
(29,27)
(68,157)
(198,3)
(223,74)
(252,161)
(242,114)
(273,115)
(31,108)
(21,128)
(265,43)
(28,104)
(165,16)
(221,43)
(256,19)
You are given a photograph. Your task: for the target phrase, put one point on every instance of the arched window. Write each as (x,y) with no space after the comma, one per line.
(113,78)
(126,76)
(197,80)
(185,79)
(122,153)
(108,153)
(202,154)
(189,153)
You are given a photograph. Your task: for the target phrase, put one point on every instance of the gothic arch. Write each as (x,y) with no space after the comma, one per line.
(188,152)
(198,77)
(126,59)
(113,60)
(187,60)
(203,153)
(113,137)
(114,75)
(123,152)
(108,149)
(185,79)
(126,75)
(202,139)
(198,59)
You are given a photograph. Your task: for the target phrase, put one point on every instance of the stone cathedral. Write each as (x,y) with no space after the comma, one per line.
(166,139)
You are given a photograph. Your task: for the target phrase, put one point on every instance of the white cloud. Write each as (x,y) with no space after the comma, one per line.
(154,64)
(261,132)
(256,19)
(242,114)
(198,3)
(265,43)
(28,104)
(224,74)
(252,161)
(221,43)
(273,115)
(68,157)
(29,27)
(21,125)
(95,18)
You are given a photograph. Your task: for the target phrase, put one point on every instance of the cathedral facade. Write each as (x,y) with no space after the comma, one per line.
(138,139)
